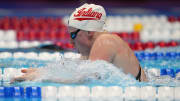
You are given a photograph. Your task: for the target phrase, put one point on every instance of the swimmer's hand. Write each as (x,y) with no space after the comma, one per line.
(29,75)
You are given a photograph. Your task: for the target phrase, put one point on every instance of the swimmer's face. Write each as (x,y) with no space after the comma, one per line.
(76,34)
(79,37)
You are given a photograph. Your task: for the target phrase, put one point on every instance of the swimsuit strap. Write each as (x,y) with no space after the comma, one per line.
(138,77)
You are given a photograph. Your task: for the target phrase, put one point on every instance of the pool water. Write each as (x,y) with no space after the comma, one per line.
(74,67)
(95,74)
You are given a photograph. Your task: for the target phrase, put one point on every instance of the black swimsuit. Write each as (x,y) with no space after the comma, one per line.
(138,77)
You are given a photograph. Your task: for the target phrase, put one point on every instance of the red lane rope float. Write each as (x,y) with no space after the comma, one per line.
(41,35)
(66,46)
(62,35)
(31,23)
(133,36)
(173,19)
(139,46)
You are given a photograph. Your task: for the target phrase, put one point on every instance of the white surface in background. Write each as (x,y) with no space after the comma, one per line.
(99,93)
(148,93)
(66,93)
(5,55)
(49,92)
(165,93)
(72,55)
(115,93)
(176,93)
(82,93)
(132,93)
(31,55)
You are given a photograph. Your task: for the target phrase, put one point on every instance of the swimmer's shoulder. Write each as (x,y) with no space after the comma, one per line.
(104,36)
(106,40)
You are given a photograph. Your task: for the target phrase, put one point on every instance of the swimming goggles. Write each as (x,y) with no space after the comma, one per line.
(74,34)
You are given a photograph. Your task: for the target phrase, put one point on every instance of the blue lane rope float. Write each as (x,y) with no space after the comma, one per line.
(33,92)
(15,92)
(20,92)
(168,71)
(157,55)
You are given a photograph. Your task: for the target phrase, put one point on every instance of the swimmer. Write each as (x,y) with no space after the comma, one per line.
(87,34)
(92,42)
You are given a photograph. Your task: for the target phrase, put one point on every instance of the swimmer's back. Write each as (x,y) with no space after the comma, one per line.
(122,56)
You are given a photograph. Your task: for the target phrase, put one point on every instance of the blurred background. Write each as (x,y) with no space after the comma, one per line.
(63,7)
(142,23)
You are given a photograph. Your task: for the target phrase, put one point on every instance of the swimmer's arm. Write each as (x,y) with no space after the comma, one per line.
(103,49)
(32,74)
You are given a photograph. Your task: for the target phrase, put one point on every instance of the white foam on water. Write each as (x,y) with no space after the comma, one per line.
(66,70)
(165,80)
(81,71)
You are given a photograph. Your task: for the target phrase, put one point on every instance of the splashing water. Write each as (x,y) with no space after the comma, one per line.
(97,73)
(75,71)
(85,72)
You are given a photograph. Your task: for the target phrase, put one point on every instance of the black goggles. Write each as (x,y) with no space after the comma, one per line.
(74,34)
